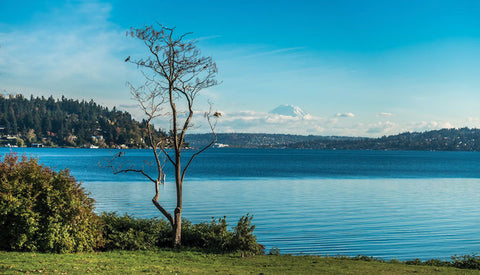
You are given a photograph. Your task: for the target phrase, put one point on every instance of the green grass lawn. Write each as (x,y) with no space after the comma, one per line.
(186,262)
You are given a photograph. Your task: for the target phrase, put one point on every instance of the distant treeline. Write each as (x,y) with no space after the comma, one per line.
(258,140)
(40,121)
(66,122)
(464,139)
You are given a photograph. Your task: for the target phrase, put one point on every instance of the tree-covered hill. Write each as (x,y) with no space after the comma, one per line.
(258,140)
(464,139)
(40,121)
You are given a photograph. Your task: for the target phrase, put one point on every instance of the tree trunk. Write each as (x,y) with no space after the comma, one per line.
(177,229)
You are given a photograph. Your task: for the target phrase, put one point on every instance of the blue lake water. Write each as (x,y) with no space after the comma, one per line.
(388,204)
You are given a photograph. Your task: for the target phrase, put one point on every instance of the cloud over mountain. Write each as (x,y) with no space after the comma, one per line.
(383,114)
(289,119)
(344,115)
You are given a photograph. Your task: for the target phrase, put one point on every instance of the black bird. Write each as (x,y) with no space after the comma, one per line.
(128,58)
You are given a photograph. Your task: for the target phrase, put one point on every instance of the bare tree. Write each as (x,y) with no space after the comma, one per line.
(175,72)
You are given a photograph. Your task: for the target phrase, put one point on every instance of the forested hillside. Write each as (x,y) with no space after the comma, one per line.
(40,121)
(464,139)
(258,140)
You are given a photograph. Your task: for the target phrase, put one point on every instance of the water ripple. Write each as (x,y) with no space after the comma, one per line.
(390,218)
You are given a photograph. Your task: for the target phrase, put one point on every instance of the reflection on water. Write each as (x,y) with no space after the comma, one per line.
(389,218)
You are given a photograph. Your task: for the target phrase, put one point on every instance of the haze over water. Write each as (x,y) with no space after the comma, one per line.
(401,205)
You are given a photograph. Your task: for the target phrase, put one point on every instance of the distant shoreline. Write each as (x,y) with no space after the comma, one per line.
(246,148)
(464,139)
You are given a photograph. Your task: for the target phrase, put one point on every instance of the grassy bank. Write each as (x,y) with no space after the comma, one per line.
(187,262)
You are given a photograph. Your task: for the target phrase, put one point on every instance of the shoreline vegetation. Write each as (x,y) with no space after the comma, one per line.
(36,218)
(42,210)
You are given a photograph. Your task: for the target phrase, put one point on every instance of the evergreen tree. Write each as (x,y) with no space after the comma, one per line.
(68,122)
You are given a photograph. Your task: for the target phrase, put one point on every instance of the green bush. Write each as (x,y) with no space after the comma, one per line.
(215,237)
(367,258)
(436,262)
(43,210)
(274,251)
(415,261)
(129,233)
(394,261)
(211,236)
(243,238)
(466,261)
(47,211)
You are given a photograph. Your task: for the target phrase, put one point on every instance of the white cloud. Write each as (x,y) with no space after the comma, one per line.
(382,127)
(276,51)
(257,122)
(384,114)
(262,122)
(56,58)
(308,117)
(430,125)
(344,115)
(249,121)
(129,106)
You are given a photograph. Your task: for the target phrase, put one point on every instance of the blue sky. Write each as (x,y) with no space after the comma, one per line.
(363,68)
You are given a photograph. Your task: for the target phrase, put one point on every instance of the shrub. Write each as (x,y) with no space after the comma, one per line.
(466,261)
(274,251)
(243,237)
(43,210)
(212,236)
(415,261)
(215,237)
(367,258)
(436,262)
(129,233)
(47,211)
(394,261)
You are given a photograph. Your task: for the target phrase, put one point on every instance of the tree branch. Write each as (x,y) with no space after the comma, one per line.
(212,128)
(166,154)
(141,171)
(159,207)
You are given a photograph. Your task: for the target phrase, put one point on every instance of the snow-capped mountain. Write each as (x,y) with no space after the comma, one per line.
(289,110)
